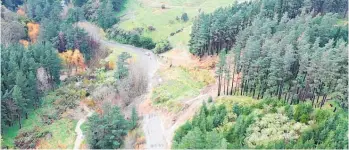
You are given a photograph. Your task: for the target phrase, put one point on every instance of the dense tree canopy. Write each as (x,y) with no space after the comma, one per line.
(265,124)
(213,32)
(19,77)
(111,121)
(299,55)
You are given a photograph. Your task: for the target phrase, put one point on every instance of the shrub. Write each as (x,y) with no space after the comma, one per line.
(322,115)
(134,118)
(302,112)
(304,118)
(289,111)
(146,42)
(151,28)
(273,110)
(162,46)
(133,38)
(209,99)
(184,17)
(28,139)
(272,128)
(236,109)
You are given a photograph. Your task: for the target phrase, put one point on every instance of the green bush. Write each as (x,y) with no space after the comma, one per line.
(322,115)
(130,37)
(209,99)
(146,42)
(184,17)
(236,109)
(289,111)
(162,46)
(304,118)
(302,112)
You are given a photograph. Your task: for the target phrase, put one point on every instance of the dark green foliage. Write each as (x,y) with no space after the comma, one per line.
(322,115)
(223,26)
(289,111)
(111,121)
(106,17)
(194,139)
(162,46)
(12,4)
(236,134)
(133,38)
(182,131)
(281,48)
(117,4)
(134,118)
(204,122)
(220,69)
(93,11)
(71,38)
(79,3)
(40,9)
(146,42)
(61,32)
(18,78)
(75,15)
(122,70)
(236,109)
(328,131)
(184,17)
(302,113)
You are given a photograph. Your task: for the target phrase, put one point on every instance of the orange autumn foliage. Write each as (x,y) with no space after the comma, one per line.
(73,59)
(21,12)
(111,65)
(33,31)
(25,43)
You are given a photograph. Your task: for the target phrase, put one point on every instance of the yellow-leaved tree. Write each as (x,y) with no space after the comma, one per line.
(73,60)
(33,31)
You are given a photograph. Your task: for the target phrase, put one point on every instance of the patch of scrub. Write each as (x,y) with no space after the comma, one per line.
(49,126)
(179,83)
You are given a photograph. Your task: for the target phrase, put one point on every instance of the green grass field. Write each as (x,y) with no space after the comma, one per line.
(144,13)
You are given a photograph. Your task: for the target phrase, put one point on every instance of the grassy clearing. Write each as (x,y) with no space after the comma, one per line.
(63,134)
(144,13)
(179,83)
(114,53)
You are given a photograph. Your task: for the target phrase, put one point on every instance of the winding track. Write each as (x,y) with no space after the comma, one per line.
(80,136)
(152,125)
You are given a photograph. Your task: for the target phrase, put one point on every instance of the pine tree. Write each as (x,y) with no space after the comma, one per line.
(113,121)
(220,69)
(193,140)
(122,70)
(19,100)
(134,118)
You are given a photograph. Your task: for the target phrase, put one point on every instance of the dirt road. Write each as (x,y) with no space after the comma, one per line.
(80,136)
(152,125)
(158,127)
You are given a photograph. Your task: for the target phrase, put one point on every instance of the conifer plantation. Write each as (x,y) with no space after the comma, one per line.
(291,56)
(174,74)
(292,50)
